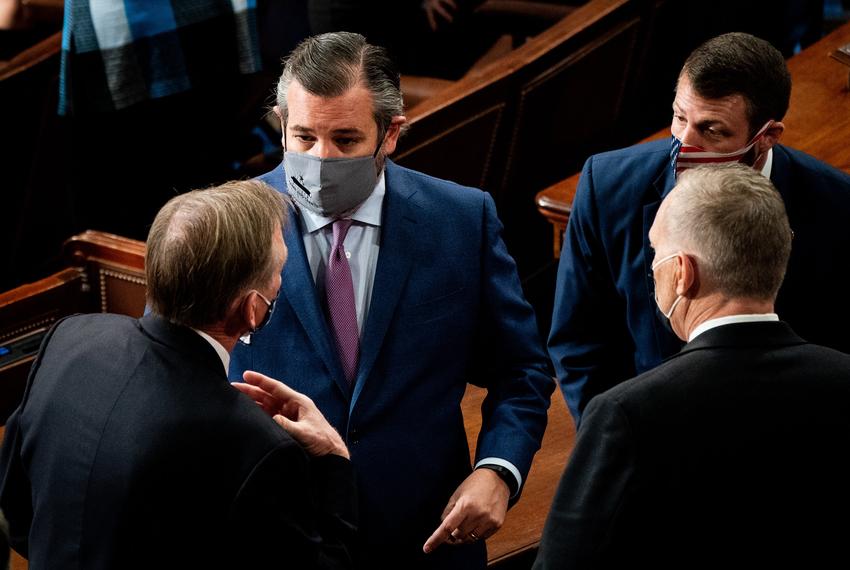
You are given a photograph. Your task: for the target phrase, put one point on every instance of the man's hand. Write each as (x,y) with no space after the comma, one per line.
(294,412)
(444,8)
(475,511)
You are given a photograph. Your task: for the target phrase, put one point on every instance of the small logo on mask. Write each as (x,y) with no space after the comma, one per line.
(300,183)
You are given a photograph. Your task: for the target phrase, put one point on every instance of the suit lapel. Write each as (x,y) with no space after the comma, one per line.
(398,237)
(299,290)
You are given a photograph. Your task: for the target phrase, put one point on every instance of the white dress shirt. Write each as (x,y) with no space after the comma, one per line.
(362,246)
(720,321)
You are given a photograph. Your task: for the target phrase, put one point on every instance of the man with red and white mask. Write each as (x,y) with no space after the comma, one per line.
(731,97)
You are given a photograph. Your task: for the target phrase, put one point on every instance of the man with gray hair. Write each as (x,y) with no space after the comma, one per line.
(731,97)
(130,448)
(731,452)
(398,292)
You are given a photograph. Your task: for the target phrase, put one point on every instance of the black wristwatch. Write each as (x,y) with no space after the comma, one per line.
(505,474)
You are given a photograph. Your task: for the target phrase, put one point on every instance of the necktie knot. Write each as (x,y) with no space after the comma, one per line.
(340,230)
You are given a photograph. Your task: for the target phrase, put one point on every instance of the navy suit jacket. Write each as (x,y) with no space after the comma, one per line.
(131,450)
(605,328)
(731,454)
(446,309)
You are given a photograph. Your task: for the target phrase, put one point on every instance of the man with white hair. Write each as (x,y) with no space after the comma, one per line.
(731,98)
(732,449)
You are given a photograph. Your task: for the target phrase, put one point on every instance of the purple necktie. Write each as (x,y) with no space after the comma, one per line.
(339,290)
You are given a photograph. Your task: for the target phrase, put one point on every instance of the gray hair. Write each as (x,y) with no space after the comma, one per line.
(207,247)
(733,220)
(330,64)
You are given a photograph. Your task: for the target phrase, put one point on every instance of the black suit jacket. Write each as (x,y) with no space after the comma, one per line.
(732,453)
(131,450)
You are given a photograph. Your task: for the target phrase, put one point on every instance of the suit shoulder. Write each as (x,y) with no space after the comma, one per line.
(624,175)
(90,322)
(274,178)
(636,153)
(825,356)
(429,187)
(809,165)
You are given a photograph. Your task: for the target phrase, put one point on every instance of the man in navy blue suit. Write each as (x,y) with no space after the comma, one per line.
(697,462)
(398,292)
(731,96)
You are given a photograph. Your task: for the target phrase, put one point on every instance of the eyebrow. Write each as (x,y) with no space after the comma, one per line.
(705,122)
(344,131)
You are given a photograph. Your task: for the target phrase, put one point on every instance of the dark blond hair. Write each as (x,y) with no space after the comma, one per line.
(732,219)
(207,247)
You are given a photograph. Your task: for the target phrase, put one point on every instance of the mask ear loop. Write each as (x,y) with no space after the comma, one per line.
(380,145)
(758,136)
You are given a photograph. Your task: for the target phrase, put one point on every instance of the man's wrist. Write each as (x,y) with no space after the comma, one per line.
(504,474)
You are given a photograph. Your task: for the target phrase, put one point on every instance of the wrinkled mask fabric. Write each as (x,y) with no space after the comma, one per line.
(329,187)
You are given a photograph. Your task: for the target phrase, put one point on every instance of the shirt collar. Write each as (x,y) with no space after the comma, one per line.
(219,349)
(369,211)
(720,321)
(768,164)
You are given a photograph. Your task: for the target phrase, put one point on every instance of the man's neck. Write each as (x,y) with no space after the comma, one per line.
(218,332)
(716,306)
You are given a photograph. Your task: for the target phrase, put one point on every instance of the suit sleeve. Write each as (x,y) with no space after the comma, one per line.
(15,486)
(298,512)
(512,363)
(593,495)
(15,491)
(588,338)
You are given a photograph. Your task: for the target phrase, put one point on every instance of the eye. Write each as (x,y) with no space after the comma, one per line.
(304,138)
(347,141)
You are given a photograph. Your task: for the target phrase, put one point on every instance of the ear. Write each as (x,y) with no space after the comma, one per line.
(687,276)
(279,114)
(247,312)
(393,132)
(771,136)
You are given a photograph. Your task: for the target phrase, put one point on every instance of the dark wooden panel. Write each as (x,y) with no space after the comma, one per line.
(26,313)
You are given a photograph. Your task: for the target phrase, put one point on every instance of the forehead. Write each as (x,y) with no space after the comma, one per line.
(731,109)
(351,110)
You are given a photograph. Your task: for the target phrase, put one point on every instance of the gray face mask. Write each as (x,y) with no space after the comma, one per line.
(329,186)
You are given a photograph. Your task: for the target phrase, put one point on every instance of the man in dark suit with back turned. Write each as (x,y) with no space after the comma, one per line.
(398,292)
(732,453)
(131,449)
(732,94)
